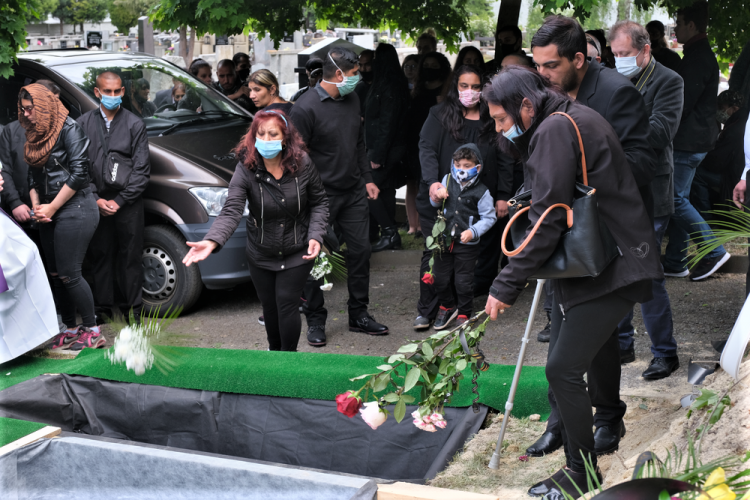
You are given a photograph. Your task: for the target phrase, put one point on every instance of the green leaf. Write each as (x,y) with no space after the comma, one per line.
(381,382)
(407,398)
(429,241)
(411,379)
(400,411)
(391,397)
(384,368)
(408,348)
(444,365)
(427,349)
(440,225)
(664,495)
(432,261)
(461,365)
(395,358)
(362,376)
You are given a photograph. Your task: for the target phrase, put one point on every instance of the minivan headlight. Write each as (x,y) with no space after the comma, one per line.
(213,199)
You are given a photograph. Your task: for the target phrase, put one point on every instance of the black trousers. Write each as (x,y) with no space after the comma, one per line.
(65,241)
(116,254)
(585,340)
(383,210)
(490,253)
(279,292)
(458,263)
(427,305)
(350,214)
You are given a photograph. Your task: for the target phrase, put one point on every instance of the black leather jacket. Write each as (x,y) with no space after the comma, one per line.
(68,163)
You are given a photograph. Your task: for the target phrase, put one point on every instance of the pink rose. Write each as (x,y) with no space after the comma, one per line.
(348,404)
(428,278)
(372,415)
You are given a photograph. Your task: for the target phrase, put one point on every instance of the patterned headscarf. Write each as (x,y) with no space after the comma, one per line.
(50,117)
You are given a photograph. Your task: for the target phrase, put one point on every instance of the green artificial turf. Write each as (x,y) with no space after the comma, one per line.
(293,375)
(12,429)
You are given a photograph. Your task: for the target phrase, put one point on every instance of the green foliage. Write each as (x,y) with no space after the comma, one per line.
(14,15)
(125,13)
(46,7)
(449,17)
(711,402)
(77,12)
(432,366)
(729,224)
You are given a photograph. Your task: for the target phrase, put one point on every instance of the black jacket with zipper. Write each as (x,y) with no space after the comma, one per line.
(127,137)
(277,237)
(68,164)
(552,160)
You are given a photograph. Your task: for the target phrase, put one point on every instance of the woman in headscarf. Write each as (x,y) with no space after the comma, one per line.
(64,206)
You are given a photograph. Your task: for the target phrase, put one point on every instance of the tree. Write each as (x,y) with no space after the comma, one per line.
(14,15)
(76,12)
(124,14)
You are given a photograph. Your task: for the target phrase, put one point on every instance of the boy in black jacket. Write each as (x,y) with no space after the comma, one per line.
(470,212)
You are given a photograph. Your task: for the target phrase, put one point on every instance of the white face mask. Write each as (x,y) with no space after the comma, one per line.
(627,66)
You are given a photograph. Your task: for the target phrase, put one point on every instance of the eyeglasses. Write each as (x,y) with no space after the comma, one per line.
(27,109)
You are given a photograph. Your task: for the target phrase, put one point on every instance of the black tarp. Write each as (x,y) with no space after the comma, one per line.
(299,432)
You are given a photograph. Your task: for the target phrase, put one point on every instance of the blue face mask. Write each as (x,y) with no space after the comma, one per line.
(268,149)
(627,66)
(512,133)
(348,84)
(110,102)
(463,176)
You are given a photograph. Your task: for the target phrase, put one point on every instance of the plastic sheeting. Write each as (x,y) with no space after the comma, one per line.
(300,432)
(42,470)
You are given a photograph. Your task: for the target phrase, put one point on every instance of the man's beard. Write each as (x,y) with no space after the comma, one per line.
(570,80)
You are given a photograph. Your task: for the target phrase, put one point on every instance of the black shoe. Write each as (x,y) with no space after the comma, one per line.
(543,336)
(660,368)
(564,480)
(368,325)
(316,335)
(607,438)
(389,240)
(627,356)
(444,317)
(706,267)
(545,445)
(421,323)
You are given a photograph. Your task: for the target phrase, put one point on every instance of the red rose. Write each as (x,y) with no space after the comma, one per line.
(348,404)
(428,278)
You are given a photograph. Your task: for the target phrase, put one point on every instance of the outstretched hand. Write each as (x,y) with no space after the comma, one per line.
(199,250)
(493,307)
(313,250)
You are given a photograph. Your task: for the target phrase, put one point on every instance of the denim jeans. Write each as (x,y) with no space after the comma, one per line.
(686,222)
(657,312)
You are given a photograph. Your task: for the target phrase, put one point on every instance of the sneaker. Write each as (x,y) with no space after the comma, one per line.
(461,319)
(261,321)
(316,335)
(444,317)
(706,267)
(90,337)
(421,323)
(64,339)
(676,274)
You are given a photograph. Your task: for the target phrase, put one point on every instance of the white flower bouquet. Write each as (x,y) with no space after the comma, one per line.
(325,264)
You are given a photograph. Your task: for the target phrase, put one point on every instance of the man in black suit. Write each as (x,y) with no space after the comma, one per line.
(559,50)
(662,93)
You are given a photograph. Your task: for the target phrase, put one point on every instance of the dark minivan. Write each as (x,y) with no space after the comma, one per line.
(190,141)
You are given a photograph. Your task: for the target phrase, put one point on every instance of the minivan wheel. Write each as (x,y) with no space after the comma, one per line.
(166,281)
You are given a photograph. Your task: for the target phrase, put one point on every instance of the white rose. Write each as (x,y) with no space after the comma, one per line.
(326,287)
(126,334)
(372,415)
(139,369)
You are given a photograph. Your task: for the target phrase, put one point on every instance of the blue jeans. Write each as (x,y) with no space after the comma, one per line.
(686,222)
(657,312)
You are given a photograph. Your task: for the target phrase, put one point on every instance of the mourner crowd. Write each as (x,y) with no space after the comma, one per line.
(646,128)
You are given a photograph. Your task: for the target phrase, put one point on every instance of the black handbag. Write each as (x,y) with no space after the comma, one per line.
(586,247)
(116,169)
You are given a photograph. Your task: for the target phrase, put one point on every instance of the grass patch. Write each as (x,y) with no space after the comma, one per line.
(12,429)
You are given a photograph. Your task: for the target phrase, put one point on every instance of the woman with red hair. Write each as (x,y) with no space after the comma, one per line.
(287,221)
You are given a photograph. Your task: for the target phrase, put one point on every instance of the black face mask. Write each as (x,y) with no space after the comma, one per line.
(507,49)
(367,76)
(139,98)
(431,74)
(242,74)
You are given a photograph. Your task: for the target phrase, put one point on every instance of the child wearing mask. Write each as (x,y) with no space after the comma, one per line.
(470,212)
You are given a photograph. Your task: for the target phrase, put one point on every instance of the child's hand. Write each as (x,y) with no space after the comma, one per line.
(467,236)
(441,193)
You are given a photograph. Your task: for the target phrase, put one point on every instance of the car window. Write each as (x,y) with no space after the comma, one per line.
(160,93)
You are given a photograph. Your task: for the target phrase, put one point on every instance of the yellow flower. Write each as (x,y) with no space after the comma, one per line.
(719,492)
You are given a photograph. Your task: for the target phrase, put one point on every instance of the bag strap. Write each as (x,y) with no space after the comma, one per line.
(101,138)
(580,145)
(556,205)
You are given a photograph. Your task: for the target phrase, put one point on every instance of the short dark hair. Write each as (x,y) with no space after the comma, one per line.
(564,32)
(49,85)
(314,63)
(697,14)
(656,25)
(367,52)
(430,37)
(342,57)
(226,62)
(726,99)
(513,29)
(142,83)
(196,65)
(466,154)
(239,55)
(638,35)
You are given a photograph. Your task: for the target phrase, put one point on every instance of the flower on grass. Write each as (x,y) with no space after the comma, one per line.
(428,278)
(429,423)
(373,415)
(133,347)
(523,458)
(348,403)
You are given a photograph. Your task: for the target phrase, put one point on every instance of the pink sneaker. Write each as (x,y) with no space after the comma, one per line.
(90,337)
(64,340)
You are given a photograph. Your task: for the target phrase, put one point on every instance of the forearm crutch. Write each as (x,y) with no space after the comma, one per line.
(517,374)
